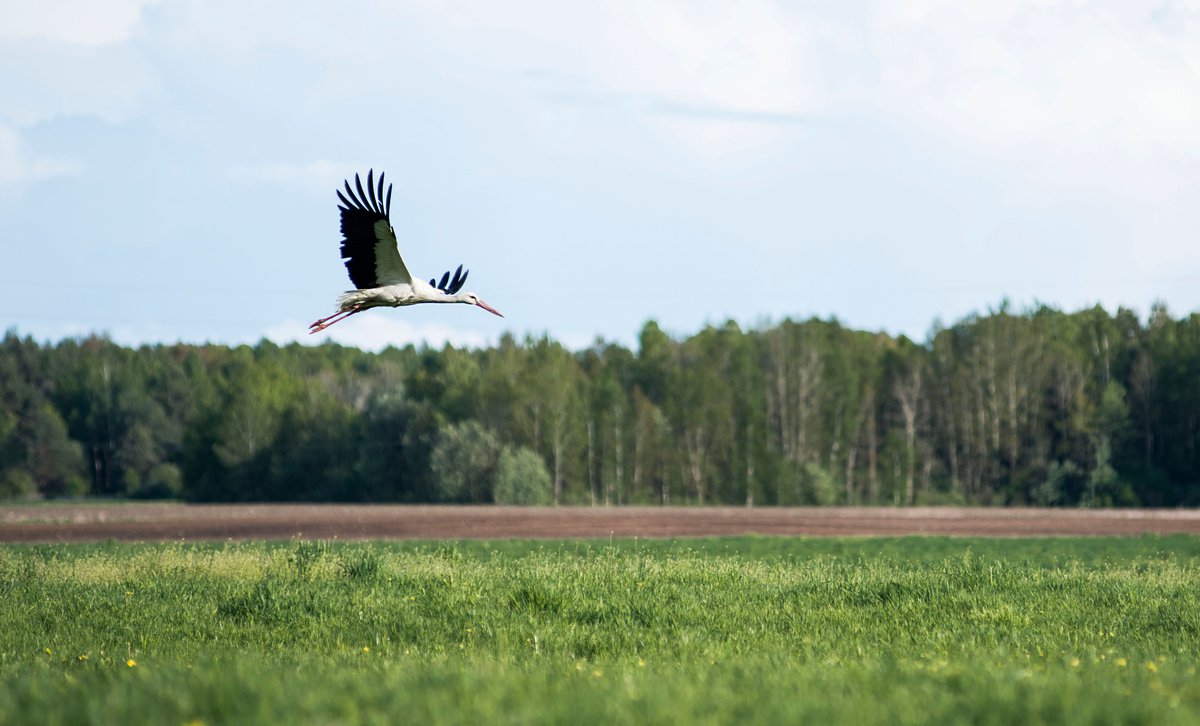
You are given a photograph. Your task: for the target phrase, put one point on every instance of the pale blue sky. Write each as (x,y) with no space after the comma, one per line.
(167,168)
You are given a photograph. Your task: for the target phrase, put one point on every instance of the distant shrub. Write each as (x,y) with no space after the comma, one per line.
(464,463)
(940,498)
(817,485)
(522,478)
(1052,489)
(16,483)
(165,481)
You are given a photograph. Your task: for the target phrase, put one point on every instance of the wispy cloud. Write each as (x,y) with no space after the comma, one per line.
(314,176)
(74,22)
(664,106)
(18,168)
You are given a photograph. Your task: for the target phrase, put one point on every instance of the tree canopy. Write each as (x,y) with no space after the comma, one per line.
(1039,407)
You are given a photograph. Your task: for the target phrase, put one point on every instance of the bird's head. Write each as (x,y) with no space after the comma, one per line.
(473,299)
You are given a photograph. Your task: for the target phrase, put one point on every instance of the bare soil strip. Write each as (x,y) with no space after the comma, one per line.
(172,522)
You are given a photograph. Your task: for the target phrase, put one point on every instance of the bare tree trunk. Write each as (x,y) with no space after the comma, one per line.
(1014,430)
(666,493)
(951,441)
(872,451)
(852,453)
(993,397)
(780,402)
(591,459)
(618,454)
(926,472)
(749,466)
(558,481)
(908,394)
(1142,386)
(697,450)
(635,476)
(836,446)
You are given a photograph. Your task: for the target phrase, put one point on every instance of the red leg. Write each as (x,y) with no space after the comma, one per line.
(335,318)
(322,320)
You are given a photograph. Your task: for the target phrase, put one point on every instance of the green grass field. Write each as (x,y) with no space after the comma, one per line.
(906,630)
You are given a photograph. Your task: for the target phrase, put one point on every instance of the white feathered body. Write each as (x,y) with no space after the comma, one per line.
(393,296)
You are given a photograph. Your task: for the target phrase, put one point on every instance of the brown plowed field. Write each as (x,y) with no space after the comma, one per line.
(167,522)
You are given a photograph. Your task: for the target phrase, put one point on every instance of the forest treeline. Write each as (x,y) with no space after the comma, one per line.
(1038,407)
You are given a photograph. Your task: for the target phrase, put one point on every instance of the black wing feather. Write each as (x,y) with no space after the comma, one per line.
(358,231)
(460,277)
(351,193)
(448,284)
(361,194)
(371,189)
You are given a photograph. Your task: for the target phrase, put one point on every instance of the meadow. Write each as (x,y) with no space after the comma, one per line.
(896,630)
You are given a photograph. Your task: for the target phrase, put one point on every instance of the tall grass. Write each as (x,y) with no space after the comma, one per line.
(905,630)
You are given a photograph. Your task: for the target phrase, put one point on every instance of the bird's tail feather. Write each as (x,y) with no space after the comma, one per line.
(347,299)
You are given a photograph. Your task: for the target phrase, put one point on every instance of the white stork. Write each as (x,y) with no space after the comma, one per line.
(374,263)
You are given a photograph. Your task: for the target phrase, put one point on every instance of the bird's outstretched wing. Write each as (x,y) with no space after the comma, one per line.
(448,285)
(368,240)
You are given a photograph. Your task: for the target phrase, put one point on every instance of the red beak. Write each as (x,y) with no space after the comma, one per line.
(488,308)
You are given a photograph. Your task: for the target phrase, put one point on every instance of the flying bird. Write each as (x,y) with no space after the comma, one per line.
(374,263)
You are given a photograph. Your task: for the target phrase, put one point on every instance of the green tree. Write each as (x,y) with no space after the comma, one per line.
(55,461)
(522,478)
(553,390)
(1110,428)
(464,462)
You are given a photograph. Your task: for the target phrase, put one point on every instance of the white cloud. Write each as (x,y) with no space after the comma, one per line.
(16,166)
(714,77)
(1083,76)
(77,22)
(377,331)
(314,176)
(41,82)
(751,58)
(1100,98)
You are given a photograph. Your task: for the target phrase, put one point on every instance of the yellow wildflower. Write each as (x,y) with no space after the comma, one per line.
(1151,667)
(1074,662)
(83,657)
(131,663)
(1121,662)
(366,649)
(47,651)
